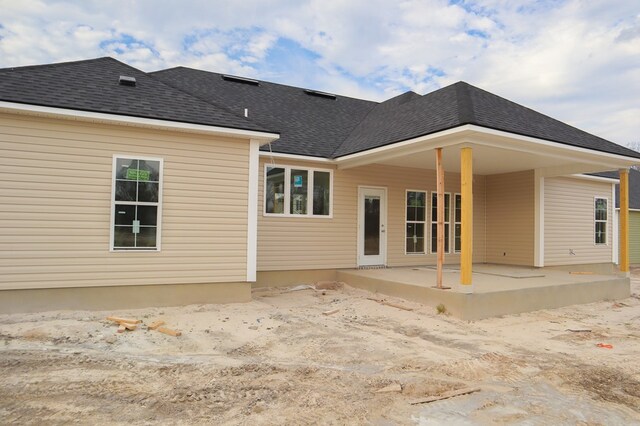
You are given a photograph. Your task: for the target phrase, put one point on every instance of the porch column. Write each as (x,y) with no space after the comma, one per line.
(624,220)
(466,232)
(440,216)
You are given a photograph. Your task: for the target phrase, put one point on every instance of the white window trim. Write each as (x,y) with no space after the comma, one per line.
(287,192)
(158,247)
(453,229)
(431,222)
(606,227)
(425,222)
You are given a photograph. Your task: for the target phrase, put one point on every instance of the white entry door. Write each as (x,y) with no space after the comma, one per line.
(372,224)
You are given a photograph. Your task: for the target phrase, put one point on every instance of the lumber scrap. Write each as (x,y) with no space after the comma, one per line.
(446,395)
(124,320)
(396,305)
(169,331)
(334,311)
(581,273)
(155,324)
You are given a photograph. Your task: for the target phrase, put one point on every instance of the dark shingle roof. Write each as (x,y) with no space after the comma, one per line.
(93,85)
(459,104)
(634,187)
(308,125)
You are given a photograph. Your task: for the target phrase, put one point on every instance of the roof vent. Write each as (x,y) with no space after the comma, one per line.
(125,80)
(320,94)
(240,80)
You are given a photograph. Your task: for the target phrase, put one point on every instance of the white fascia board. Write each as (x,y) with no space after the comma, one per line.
(614,158)
(98,117)
(472,134)
(297,157)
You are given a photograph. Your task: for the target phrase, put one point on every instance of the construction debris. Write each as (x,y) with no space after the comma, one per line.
(581,273)
(334,311)
(446,395)
(126,326)
(169,331)
(155,325)
(579,330)
(124,320)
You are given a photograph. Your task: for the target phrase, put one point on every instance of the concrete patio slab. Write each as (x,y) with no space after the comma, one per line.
(497,289)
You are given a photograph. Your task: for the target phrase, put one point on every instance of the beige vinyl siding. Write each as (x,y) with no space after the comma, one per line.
(569,225)
(55,205)
(288,243)
(510,218)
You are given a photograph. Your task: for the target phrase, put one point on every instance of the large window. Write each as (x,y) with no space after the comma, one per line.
(601,220)
(416,218)
(136,203)
(434,222)
(297,191)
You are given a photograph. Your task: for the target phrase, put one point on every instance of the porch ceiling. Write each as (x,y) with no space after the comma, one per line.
(486,160)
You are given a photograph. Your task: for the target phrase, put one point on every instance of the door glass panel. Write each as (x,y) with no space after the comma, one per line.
(371,225)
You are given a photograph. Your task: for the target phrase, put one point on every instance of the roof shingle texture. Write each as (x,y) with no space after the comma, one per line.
(308,125)
(93,85)
(458,104)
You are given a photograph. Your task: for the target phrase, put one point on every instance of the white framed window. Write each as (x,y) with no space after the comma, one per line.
(416,221)
(601,220)
(457,223)
(136,203)
(434,222)
(298,191)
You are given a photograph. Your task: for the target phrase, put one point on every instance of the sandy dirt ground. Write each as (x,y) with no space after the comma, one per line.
(279,360)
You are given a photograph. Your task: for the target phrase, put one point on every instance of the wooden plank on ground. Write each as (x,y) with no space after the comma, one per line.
(169,331)
(155,324)
(124,320)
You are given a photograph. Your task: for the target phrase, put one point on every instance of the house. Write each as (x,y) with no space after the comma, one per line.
(121,188)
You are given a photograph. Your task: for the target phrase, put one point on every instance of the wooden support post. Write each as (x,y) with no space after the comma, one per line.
(624,220)
(440,215)
(466,232)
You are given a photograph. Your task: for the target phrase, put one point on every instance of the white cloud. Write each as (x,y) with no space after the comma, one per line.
(575,60)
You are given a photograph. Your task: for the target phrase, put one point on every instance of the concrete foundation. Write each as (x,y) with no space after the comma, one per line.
(289,278)
(497,289)
(124,297)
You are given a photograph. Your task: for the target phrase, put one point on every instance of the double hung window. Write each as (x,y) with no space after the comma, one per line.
(416,217)
(136,203)
(601,221)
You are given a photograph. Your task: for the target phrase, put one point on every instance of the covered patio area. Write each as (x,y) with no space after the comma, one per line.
(498,289)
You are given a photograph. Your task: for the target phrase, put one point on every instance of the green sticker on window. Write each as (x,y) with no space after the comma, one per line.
(137,174)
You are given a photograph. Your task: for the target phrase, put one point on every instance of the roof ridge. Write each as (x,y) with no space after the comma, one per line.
(466,113)
(353,129)
(59,64)
(265,81)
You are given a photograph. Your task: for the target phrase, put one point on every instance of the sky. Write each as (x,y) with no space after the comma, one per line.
(575,60)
